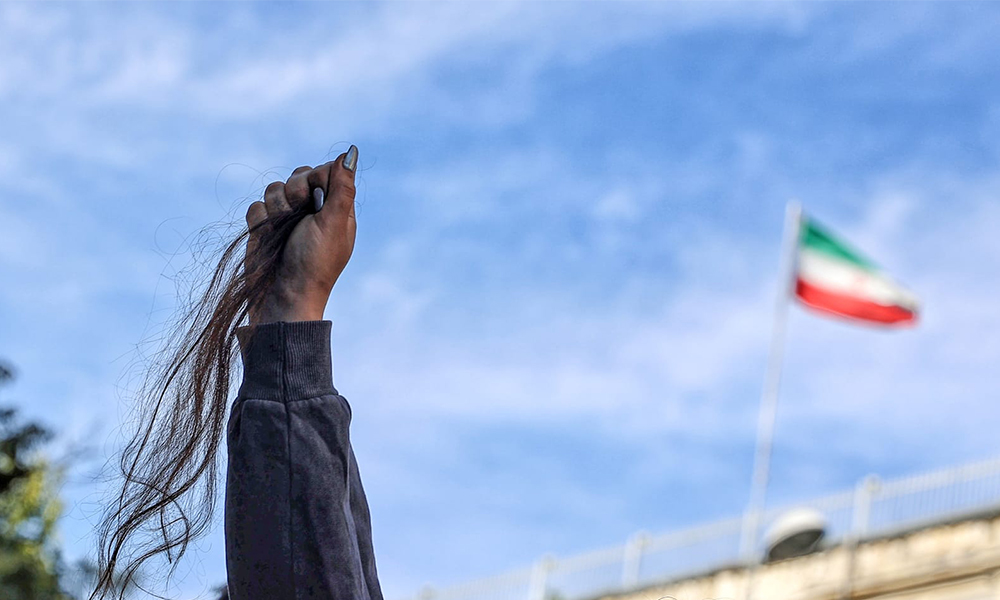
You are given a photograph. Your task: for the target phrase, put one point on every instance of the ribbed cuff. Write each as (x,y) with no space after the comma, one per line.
(286,360)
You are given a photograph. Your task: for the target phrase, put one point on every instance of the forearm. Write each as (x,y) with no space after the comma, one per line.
(297,523)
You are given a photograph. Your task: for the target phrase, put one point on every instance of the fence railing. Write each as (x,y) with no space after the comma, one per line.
(873,508)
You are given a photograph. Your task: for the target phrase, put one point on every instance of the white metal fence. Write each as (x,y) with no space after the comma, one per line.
(873,508)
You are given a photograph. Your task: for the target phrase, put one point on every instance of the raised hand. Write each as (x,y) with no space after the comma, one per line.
(320,245)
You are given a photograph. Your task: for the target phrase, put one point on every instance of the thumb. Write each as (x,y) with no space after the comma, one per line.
(339,193)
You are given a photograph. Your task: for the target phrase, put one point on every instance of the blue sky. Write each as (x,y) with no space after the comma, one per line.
(554,328)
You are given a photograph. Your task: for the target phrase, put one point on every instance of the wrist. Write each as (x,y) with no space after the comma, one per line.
(289,312)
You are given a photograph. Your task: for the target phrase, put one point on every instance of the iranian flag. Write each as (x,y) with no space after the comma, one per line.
(832,277)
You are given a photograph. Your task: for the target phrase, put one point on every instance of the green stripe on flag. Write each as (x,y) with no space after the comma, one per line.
(814,237)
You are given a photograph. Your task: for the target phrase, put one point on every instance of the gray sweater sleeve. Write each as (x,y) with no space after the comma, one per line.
(296,518)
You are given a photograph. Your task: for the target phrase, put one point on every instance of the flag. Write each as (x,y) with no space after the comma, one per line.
(833,278)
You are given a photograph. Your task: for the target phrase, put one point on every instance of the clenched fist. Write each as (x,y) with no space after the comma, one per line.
(320,245)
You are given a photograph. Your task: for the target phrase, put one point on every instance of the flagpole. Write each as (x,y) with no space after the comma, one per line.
(769,396)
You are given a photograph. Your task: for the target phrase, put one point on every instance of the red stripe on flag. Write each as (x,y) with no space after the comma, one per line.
(843,305)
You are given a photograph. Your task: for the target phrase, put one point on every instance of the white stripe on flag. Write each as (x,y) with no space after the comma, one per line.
(842,277)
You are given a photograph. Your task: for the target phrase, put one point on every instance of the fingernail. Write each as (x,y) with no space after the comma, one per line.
(318,198)
(351,160)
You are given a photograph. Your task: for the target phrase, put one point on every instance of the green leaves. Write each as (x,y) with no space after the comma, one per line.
(31,563)
(29,509)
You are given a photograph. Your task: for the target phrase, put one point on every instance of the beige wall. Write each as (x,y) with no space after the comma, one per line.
(958,561)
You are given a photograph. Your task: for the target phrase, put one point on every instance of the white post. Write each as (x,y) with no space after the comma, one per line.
(860,514)
(769,395)
(540,578)
(632,560)
(863,505)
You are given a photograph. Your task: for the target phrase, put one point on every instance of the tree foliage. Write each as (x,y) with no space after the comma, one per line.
(30,562)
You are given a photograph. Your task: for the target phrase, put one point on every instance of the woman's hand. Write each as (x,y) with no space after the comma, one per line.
(320,245)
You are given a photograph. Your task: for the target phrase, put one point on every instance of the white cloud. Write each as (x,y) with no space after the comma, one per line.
(152,60)
(617,205)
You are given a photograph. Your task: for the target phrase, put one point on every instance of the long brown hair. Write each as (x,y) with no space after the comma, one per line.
(170,466)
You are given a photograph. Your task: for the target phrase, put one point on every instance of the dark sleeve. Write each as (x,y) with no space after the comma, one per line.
(296,518)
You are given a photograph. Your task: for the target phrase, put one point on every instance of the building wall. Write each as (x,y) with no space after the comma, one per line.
(955,561)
